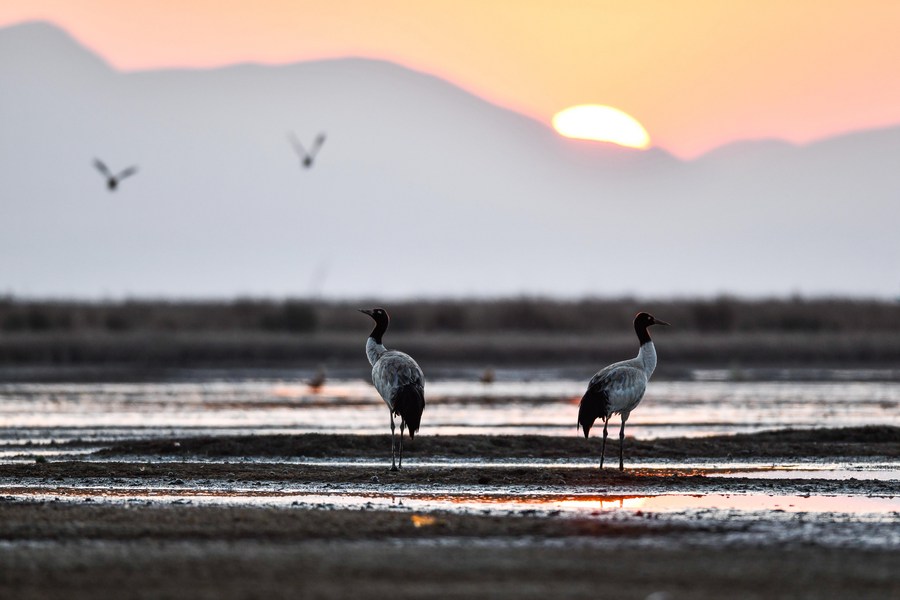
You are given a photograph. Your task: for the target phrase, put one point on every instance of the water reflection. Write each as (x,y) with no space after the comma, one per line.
(460,501)
(67,411)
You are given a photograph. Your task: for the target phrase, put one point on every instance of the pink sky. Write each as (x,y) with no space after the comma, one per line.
(696,74)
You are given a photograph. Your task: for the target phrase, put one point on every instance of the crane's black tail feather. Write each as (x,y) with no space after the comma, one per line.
(593,406)
(409,402)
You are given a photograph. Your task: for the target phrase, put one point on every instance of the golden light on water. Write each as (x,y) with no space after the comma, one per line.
(423,520)
(601,123)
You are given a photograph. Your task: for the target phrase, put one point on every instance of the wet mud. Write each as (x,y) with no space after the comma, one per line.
(132,519)
(790,444)
(473,477)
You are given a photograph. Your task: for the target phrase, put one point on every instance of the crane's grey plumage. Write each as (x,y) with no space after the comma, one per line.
(398,379)
(620,387)
(112,181)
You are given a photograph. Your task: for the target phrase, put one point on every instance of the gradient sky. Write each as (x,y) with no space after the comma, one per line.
(698,74)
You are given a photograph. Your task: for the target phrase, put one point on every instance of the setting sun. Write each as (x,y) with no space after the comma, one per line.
(601,123)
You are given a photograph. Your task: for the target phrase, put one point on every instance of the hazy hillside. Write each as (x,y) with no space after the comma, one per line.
(420,189)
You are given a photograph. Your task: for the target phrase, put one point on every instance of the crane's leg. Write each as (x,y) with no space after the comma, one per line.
(393,445)
(603,446)
(622,442)
(402,425)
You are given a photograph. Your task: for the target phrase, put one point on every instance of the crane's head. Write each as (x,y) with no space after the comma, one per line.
(381,321)
(644,320)
(379,314)
(641,322)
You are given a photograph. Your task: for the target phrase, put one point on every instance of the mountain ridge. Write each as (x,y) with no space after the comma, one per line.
(467,196)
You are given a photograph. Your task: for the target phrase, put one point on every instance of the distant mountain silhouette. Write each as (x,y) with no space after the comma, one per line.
(468,197)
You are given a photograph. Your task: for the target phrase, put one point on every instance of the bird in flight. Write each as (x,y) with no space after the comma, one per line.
(112,181)
(306,157)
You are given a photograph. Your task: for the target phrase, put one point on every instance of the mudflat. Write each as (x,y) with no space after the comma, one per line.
(267,517)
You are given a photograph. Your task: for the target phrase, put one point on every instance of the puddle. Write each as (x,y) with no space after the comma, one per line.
(515,503)
(849,472)
(11,454)
(810,470)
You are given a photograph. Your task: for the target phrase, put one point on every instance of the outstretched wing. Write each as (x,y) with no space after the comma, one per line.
(126,173)
(298,147)
(98,164)
(317,144)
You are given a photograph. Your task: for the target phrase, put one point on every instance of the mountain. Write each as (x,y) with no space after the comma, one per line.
(420,189)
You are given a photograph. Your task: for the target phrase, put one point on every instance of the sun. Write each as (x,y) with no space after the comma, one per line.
(601,123)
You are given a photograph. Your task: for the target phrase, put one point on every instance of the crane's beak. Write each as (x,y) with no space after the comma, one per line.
(658,322)
(365,311)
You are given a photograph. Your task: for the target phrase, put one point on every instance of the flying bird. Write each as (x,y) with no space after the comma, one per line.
(112,181)
(619,387)
(306,158)
(398,379)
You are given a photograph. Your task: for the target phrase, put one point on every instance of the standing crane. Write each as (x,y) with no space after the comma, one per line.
(619,387)
(398,379)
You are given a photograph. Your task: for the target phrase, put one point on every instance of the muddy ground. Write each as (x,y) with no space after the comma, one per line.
(117,549)
(77,551)
(848,442)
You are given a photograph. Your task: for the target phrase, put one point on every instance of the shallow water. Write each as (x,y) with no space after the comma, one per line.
(843,520)
(33,415)
(458,500)
(39,413)
(811,469)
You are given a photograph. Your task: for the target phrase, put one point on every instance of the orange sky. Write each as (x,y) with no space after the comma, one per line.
(697,74)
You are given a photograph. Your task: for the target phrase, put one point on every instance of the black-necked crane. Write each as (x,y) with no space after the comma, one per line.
(398,379)
(619,387)
(306,157)
(112,181)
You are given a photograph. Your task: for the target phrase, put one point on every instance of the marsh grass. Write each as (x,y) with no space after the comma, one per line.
(722,332)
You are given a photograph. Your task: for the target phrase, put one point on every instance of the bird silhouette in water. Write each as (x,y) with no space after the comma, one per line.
(306,158)
(619,387)
(112,181)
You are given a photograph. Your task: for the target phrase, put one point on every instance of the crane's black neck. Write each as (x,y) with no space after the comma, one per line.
(642,333)
(381,326)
